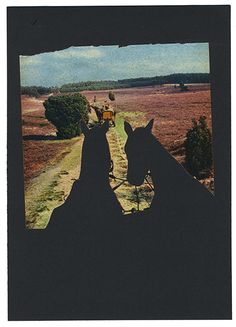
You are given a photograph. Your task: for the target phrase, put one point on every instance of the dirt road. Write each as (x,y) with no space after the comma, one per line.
(50,189)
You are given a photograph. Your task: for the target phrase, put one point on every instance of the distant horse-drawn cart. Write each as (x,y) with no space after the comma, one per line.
(104,112)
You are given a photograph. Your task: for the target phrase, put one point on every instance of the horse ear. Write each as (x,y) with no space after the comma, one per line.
(128,128)
(84,128)
(149,125)
(105,126)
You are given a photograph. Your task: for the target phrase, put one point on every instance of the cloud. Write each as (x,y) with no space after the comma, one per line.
(30,60)
(87,53)
(86,63)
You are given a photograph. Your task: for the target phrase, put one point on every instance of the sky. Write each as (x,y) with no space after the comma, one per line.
(76,64)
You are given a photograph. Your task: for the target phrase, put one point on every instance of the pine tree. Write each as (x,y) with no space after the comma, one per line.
(198,148)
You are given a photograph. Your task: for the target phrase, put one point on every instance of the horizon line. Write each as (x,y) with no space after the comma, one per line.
(109,80)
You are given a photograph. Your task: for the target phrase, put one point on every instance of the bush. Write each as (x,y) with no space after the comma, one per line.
(198,148)
(111,96)
(183,87)
(65,112)
(36,91)
(31,91)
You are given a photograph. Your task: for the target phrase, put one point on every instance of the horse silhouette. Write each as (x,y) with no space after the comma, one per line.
(83,236)
(181,237)
(172,183)
(91,201)
(161,266)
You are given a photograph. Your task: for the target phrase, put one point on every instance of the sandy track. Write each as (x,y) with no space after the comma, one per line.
(50,189)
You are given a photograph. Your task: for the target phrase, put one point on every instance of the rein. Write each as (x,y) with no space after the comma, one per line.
(124,180)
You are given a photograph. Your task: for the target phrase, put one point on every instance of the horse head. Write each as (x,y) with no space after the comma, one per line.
(137,149)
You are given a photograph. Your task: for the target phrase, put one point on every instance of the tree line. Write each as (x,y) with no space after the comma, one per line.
(123,83)
(37,91)
(136,82)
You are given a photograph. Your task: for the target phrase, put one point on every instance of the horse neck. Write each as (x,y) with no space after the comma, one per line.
(164,169)
(95,170)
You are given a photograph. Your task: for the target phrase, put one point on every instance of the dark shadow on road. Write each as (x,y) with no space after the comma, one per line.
(39,138)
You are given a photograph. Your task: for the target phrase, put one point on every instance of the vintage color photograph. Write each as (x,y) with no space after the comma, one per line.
(164,85)
(119,172)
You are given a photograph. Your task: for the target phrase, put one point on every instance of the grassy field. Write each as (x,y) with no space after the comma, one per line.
(51,165)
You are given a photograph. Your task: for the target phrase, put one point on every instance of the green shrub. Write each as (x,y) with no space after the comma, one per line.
(31,91)
(37,91)
(183,87)
(65,112)
(198,148)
